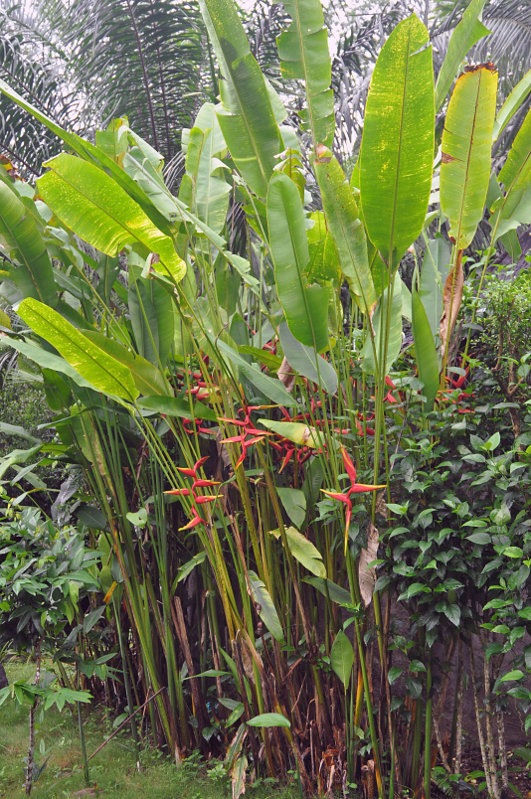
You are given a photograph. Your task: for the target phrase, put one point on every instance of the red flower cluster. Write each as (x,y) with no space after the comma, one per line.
(201,499)
(355,488)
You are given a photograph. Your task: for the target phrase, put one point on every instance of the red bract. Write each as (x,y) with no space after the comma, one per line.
(199,482)
(355,488)
(248,429)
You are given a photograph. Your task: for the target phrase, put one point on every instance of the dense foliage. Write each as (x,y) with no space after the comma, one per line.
(293,410)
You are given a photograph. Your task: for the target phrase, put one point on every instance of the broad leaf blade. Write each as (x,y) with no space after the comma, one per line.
(342,658)
(304,55)
(344,223)
(469,31)
(248,120)
(99,211)
(267,612)
(305,306)
(466,146)
(425,352)
(398,140)
(32,274)
(102,371)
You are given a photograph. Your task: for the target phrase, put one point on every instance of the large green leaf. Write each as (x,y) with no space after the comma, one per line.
(99,211)
(307,362)
(19,233)
(469,31)
(304,55)
(305,306)
(342,658)
(304,551)
(344,223)
(101,370)
(514,101)
(425,352)
(152,318)
(398,140)
(466,146)
(248,120)
(514,208)
(204,144)
(268,612)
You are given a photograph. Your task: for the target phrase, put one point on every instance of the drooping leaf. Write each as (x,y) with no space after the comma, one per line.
(330,589)
(306,361)
(305,306)
(247,118)
(268,612)
(304,55)
(464,36)
(345,226)
(304,551)
(367,573)
(466,146)
(298,432)
(177,407)
(294,503)
(20,236)
(342,658)
(425,352)
(152,319)
(238,775)
(99,211)
(101,370)
(398,140)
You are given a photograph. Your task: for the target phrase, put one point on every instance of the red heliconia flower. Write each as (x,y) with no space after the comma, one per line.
(248,429)
(202,499)
(355,488)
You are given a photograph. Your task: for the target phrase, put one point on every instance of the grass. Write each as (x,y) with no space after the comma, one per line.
(113,769)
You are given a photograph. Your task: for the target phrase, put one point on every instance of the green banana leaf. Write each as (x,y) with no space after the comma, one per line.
(305,306)
(425,352)
(304,55)
(247,120)
(99,211)
(469,31)
(346,228)
(102,371)
(514,208)
(152,318)
(172,209)
(398,140)
(19,234)
(466,148)
(514,101)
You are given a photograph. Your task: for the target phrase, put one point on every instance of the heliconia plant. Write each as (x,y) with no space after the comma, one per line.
(218,398)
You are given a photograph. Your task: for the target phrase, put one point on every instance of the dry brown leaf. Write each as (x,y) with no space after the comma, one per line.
(367,576)
(286,375)
(453,294)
